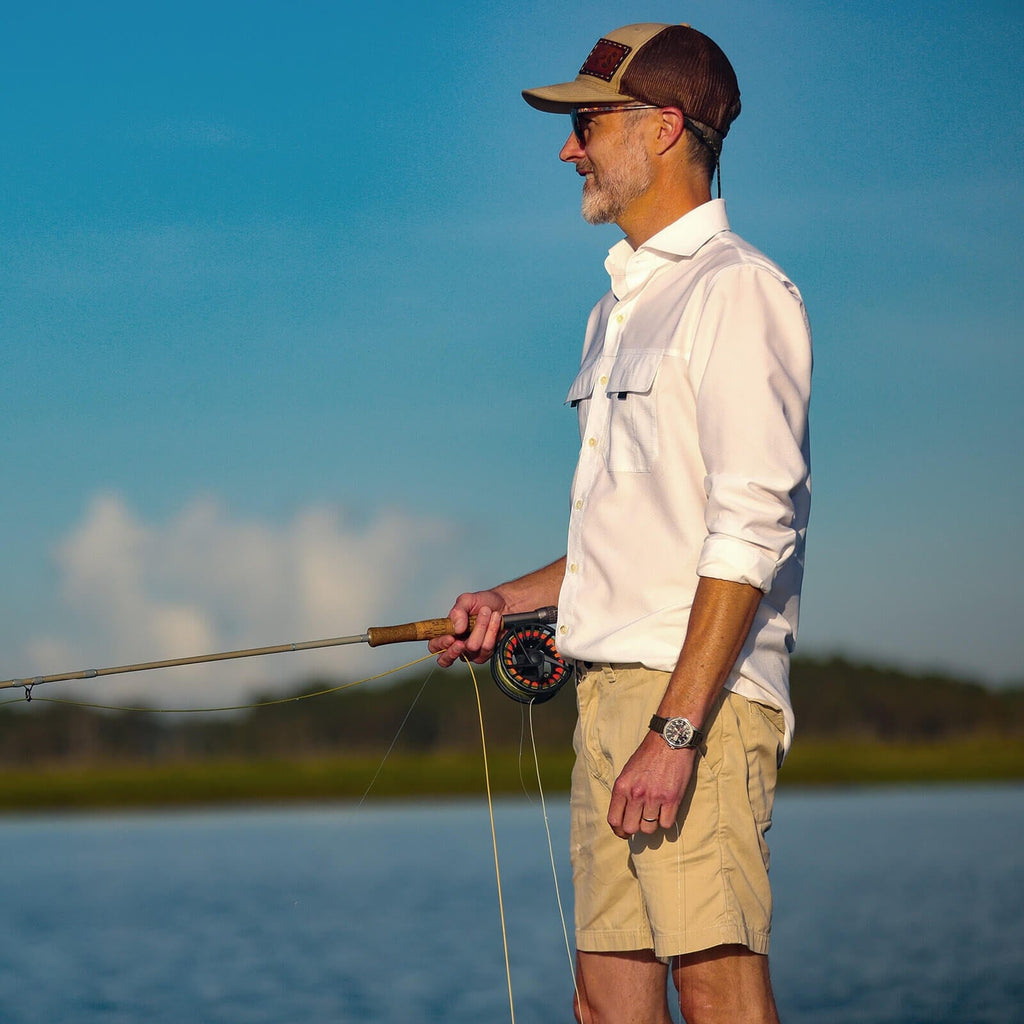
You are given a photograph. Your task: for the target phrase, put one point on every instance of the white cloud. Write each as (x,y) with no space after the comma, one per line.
(205,581)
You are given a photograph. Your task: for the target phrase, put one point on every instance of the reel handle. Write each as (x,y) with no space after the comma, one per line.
(427,629)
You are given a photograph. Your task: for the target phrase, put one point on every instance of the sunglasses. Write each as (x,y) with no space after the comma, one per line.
(579,128)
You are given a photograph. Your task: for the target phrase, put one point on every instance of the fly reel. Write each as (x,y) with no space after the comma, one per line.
(526,664)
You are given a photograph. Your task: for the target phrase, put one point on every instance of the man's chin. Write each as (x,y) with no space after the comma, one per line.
(594,210)
(596,217)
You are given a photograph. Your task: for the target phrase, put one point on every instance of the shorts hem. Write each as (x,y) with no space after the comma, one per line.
(672,945)
(613,941)
(694,941)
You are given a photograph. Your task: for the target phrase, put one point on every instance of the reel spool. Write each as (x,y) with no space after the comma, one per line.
(526,664)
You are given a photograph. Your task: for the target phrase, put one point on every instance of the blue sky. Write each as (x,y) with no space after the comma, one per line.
(292,293)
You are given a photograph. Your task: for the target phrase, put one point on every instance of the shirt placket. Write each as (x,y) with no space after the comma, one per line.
(591,463)
(591,466)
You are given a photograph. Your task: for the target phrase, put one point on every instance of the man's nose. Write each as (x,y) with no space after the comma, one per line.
(572,150)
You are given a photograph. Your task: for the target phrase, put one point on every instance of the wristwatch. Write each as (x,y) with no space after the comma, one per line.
(678,733)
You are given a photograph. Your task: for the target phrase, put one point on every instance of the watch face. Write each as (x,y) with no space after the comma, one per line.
(678,732)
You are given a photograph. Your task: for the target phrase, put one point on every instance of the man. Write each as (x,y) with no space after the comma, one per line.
(678,595)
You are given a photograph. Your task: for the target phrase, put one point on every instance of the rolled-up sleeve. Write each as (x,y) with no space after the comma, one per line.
(750,369)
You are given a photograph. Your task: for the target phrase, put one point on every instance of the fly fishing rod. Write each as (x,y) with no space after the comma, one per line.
(525,665)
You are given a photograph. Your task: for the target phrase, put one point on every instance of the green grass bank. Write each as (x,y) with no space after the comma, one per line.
(212,782)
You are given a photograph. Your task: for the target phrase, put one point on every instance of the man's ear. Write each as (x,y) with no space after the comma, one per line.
(670,128)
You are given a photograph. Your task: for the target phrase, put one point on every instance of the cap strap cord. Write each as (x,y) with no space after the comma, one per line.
(701,132)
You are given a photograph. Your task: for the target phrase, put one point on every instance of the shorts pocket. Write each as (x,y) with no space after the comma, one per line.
(764,748)
(590,757)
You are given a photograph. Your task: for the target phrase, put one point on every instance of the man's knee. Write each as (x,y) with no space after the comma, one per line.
(621,988)
(725,985)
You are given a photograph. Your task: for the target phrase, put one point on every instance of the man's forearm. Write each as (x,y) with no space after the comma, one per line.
(720,620)
(647,793)
(536,589)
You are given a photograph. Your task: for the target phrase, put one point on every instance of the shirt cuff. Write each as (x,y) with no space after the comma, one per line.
(737,561)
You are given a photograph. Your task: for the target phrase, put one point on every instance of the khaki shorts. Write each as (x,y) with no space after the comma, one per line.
(704,882)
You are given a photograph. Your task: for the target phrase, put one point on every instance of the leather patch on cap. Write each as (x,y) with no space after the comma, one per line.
(605,59)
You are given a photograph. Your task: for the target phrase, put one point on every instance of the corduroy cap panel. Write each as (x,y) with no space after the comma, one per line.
(668,65)
(681,67)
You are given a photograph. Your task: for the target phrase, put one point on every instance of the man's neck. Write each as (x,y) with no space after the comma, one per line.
(660,206)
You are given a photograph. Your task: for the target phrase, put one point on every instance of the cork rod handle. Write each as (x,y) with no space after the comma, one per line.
(425,629)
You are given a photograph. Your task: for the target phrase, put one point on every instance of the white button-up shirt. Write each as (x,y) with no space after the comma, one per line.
(692,399)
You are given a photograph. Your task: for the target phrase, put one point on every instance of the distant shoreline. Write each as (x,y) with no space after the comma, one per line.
(812,763)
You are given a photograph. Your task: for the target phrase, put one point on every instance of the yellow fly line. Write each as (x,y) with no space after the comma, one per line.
(374,636)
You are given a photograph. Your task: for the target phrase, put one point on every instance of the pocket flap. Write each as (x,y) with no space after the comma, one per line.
(583,386)
(634,371)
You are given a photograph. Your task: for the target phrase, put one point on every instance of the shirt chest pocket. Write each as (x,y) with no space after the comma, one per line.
(623,408)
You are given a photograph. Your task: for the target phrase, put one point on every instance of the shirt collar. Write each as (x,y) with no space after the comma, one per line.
(629,268)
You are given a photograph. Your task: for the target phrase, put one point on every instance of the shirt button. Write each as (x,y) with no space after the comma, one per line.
(579,504)
(591,441)
(604,380)
(572,568)
(563,630)
(619,318)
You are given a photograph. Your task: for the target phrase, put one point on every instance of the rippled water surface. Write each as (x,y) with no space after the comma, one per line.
(892,907)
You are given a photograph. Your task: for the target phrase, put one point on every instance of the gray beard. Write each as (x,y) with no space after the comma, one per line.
(605,200)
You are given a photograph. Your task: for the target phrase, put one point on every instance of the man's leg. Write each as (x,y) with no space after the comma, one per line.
(724,985)
(621,988)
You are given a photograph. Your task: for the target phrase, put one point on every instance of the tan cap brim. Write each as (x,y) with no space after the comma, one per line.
(585,91)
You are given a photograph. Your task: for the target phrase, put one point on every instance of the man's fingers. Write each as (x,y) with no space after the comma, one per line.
(616,815)
(483,639)
(476,644)
(667,817)
(628,817)
(475,640)
(460,619)
(650,820)
(491,633)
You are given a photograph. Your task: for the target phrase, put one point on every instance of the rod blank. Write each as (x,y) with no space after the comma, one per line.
(375,636)
(145,666)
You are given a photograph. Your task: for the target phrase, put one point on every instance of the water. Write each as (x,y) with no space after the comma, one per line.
(893,907)
(900,907)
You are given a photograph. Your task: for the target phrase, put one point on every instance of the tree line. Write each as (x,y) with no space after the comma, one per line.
(833,698)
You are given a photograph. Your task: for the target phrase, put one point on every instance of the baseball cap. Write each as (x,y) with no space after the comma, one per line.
(665,65)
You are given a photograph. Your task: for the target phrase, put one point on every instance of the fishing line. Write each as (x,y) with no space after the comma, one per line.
(680,891)
(522,744)
(387,753)
(234,707)
(551,856)
(526,666)
(494,841)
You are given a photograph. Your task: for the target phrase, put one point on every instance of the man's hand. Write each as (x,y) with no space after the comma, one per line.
(651,786)
(534,590)
(488,606)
